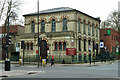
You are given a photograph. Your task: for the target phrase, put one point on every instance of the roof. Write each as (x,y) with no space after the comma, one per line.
(59,9)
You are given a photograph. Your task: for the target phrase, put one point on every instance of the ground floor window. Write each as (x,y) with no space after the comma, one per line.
(60,45)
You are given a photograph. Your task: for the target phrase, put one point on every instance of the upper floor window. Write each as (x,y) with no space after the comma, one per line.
(92,30)
(42,26)
(96,31)
(78,25)
(53,25)
(32,27)
(84,28)
(65,24)
(88,29)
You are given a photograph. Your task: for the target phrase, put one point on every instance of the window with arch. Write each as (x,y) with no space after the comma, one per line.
(32,27)
(78,25)
(42,26)
(84,28)
(53,25)
(64,24)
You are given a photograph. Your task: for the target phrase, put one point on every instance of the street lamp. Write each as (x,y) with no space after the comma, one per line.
(38,34)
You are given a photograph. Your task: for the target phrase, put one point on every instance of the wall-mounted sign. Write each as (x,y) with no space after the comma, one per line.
(101,45)
(70,51)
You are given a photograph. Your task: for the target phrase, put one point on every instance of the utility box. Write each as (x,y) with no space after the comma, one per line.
(7,65)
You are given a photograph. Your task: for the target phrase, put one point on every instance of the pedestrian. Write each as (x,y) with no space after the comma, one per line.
(94,58)
(63,61)
(51,61)
(90,58)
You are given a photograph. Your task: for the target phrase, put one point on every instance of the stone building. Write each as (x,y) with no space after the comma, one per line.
(62,28)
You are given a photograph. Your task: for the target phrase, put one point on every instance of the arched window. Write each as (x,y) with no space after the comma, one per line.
(32,27)
(42,26)
(84,28)
(53,25)
(65,24)
(78,25)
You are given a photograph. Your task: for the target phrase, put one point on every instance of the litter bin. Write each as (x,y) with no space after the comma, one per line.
(20,61)
(7,65)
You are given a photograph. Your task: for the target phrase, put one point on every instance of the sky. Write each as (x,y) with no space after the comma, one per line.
(95,8)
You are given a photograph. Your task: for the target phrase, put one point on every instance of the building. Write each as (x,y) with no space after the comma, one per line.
(62,28)
(14,30)
(111,39)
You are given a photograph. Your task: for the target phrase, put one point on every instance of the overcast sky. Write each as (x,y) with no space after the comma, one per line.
(95,8)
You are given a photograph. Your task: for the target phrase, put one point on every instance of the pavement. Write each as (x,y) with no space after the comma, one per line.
(13,72)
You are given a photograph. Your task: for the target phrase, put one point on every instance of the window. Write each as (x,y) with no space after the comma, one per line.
(28,46)
(114,37)
(53,25)
(32,27)
(64,45)
(31,46)
(84,44)
(92,30)
(56,46)
(84,28)
(65,24)
(17,44)
(78,25)
(88,29)
(79,44)
(42,26)
(93,46)
(96,31)
(88,42)
(60,46)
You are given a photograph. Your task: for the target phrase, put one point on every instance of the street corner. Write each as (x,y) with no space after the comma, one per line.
(13,73)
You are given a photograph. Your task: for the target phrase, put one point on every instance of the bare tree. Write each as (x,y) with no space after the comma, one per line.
(112,21)
(9,9)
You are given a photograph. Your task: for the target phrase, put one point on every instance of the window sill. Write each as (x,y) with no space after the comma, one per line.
(59,50)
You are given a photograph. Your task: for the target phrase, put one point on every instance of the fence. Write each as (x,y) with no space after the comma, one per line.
(70,59)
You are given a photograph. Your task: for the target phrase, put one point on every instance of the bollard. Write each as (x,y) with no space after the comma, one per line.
(7,65)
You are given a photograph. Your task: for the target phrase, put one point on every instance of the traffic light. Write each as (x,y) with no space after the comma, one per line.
(22,44)
(9,39)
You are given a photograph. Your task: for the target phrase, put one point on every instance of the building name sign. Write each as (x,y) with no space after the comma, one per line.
(70,51)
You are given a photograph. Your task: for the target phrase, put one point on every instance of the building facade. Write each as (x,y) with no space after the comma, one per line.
(14,30)
(111,41)
(62,28)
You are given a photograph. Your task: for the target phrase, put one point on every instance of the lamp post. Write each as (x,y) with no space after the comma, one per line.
(38,34)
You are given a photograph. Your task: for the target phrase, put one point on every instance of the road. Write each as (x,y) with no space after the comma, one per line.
(101,71)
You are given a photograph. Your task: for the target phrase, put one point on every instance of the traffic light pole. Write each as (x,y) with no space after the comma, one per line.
(23,53)
(7,39)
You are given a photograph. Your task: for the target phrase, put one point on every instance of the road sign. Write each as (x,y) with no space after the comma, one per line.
(72,43)
(101,44)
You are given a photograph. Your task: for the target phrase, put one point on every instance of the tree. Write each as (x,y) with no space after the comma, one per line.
(9,9)
(112,21)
